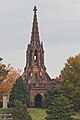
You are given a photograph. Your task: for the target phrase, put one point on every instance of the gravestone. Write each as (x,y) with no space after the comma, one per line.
(5,101)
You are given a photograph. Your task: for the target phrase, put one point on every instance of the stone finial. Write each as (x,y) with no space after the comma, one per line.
(35,9)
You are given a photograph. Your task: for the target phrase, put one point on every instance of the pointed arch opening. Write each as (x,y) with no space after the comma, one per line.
(35,55)
(38,101)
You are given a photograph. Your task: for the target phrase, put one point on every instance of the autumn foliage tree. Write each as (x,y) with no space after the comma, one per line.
(8,75)
(71,82)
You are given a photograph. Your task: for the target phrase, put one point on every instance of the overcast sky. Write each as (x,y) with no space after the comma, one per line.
(59,27)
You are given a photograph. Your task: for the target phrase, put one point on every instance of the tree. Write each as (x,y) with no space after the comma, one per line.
(3,71)
(3,76)
(19,112)
(19,92)
(13,74)
(52,92)
(60,109)
(5,89)
(8,81)
(71,82)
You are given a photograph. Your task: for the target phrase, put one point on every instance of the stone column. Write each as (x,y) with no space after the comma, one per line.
(5,101)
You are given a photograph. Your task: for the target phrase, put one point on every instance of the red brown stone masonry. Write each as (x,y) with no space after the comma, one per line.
(35,71)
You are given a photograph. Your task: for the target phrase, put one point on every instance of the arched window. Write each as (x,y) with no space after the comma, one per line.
(35,55)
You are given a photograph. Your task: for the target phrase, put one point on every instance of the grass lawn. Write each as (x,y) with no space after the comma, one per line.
(1,112)
(37,113)
(40,114)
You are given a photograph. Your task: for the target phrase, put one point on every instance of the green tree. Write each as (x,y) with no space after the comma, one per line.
(19,92)
(71,82)
(3,71)
(19,112)
(52,92)
(60,109)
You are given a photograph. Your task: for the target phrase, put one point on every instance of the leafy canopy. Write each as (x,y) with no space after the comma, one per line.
(8,77)
(71,82)
(3,71)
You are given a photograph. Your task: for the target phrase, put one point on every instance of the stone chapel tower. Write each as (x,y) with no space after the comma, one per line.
(35,71)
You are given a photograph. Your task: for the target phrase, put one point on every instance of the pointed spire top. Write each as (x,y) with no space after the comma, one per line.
(35,32)
(35,9)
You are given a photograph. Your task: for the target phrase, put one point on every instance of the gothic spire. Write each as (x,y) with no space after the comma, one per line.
(35,32)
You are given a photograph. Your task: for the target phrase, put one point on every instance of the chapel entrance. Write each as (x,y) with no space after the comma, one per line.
(38,101)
